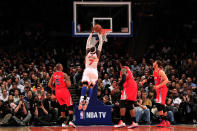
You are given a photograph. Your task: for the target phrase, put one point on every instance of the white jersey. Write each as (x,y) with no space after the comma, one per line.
(91,60)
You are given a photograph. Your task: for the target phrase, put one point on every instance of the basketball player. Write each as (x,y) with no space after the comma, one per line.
(161,92)
(128,96)
(90,74)
(62,82)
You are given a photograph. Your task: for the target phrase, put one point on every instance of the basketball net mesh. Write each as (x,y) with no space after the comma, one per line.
(105,32)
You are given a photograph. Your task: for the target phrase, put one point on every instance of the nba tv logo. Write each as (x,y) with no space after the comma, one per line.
(82,115)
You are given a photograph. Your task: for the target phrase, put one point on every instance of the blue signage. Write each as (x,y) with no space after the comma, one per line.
(96,113)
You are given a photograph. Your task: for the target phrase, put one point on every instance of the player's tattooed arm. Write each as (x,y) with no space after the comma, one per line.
(67,79)
(124,76)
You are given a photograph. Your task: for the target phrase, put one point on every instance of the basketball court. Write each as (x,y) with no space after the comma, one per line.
(102,128)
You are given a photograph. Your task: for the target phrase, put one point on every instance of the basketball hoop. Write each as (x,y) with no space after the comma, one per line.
(104,33)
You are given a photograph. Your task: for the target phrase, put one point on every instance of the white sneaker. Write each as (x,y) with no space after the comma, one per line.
(120,124)
(72,124)
(133,125)
(64,125)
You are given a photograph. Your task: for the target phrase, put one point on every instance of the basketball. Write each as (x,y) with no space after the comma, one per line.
(97,28)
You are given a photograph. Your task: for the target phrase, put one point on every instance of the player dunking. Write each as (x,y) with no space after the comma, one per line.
(128,96)
(90,74)
(161,92)
(62,82)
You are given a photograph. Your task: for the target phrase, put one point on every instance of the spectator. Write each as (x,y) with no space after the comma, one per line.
(4,96)
(12,90)
(51,106)
(106,100)
(41,114)
(135,68)
(78,76)
(142,110)
(99,94)
(190,83)
(19,86)
(106,80)
(16,96)
(5,113)
(22,114)
(171,110)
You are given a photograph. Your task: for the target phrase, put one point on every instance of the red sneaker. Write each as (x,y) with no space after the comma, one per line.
(162,124)
(167,123)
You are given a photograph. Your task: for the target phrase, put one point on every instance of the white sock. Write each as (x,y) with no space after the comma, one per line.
(88,98)
(81,98)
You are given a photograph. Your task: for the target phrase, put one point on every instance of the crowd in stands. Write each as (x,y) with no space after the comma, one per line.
(180,67)
(26,99)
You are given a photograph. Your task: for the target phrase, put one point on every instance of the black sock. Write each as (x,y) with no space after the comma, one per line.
(161,118)
(70,117)
(164,118)
(122,118)
(133,119)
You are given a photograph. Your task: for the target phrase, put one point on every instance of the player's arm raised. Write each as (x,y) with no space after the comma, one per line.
(100,45)
(50,84)
(67,79)
(164,78)
(88,45)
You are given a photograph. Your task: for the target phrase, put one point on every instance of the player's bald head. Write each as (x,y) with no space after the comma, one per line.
(59,67)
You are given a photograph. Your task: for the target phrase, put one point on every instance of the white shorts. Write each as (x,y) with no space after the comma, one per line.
(90,75)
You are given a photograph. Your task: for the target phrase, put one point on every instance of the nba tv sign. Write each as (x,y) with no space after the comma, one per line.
(92,115)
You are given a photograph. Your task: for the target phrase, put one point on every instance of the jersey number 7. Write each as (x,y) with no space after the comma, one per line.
(91,61)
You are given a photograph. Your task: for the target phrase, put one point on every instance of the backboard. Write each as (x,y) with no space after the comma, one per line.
(110,15)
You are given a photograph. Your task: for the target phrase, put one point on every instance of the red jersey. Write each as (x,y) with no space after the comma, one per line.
(157,78)
(62,93)
(129,91)
(58,79)
(161,92)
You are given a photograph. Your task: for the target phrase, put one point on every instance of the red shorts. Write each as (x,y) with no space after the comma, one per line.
(63,96)
(161,95)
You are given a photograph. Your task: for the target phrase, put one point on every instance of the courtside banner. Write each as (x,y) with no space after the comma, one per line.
(96,113)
